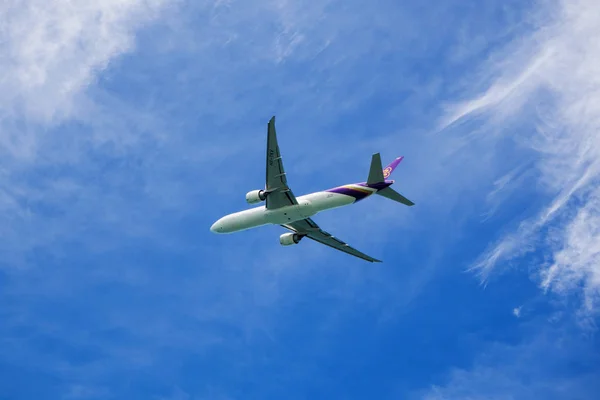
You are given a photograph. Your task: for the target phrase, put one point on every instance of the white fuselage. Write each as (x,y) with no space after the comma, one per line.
(308,205)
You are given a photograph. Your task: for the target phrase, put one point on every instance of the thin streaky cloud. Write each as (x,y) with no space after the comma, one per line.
(551,75)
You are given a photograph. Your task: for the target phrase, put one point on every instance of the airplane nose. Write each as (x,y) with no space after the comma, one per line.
(217,227)
(222,225)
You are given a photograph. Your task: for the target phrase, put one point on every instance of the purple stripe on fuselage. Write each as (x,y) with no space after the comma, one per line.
(357,194)
(360,194)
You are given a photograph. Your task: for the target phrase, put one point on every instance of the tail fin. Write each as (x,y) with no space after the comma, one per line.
(390,168)
(379,174)
(391,194)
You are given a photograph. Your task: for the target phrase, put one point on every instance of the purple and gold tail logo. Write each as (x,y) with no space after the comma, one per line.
(390,168)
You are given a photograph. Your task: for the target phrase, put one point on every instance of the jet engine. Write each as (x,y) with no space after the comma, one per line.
(255,196)
(288,239)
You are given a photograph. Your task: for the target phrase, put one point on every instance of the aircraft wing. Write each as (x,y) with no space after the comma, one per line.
(279,194)
(307,227)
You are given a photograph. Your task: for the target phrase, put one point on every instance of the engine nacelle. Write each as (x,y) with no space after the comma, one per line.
(288,239)
(255,196)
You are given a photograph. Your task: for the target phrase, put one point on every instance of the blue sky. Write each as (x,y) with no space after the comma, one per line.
(128,127)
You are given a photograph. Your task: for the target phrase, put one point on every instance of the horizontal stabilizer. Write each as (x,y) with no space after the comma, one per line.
(391,194)
(376,170)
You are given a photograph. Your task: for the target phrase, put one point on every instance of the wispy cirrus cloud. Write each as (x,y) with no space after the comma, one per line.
(551,77)
(53,54)
(55,49)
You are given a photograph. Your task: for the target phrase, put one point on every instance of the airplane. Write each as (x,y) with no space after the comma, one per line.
(293,213)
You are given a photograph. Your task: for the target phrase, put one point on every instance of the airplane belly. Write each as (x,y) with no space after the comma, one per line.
(306,208)
(288,214)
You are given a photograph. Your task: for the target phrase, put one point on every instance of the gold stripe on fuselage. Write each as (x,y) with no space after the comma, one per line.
(358,188)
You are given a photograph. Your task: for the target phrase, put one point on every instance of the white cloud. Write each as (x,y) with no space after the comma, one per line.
(552,77)
(576,260)
(517,311)
(54,50)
